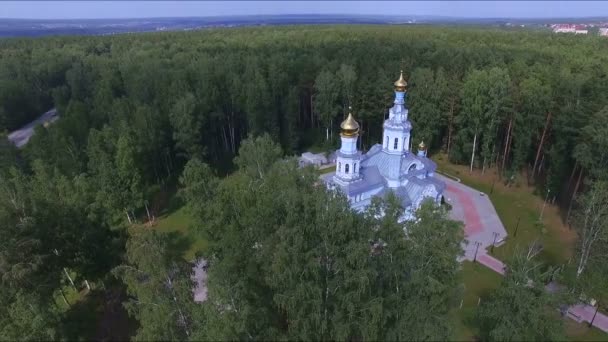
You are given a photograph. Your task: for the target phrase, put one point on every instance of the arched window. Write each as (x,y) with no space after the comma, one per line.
(412,168)
(339,167)
(355,168)
(346,168)
(396,143)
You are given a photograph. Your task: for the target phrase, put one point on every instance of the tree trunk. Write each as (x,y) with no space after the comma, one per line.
(69,278)
(582,263)
(65,300)
(167,161)
(312,119)
(225,136)
(572,175)
(504,156)
(128,217)
(540,145)
(483,166)
(473,153)
(509,143)
(542,162)
(179,309)
(578,182)
(86,282)
(148,212)
(450,125)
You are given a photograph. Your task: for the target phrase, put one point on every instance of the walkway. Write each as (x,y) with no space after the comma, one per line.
(200,278)
(21,136)
(483,227)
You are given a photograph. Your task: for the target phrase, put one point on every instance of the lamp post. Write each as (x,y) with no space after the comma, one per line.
(494,242)
(477,244)
(544,204)
(595,314)
(492,190)
(517,226)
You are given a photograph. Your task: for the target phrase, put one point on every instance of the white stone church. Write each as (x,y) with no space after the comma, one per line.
(387,167)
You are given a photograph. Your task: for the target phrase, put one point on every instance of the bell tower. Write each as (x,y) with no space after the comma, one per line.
(397,128)
(348,161)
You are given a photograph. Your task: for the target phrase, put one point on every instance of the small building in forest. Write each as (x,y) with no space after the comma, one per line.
(316,159)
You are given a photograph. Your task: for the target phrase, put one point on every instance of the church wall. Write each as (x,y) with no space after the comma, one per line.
(349,145)
(403,141)
(348,168)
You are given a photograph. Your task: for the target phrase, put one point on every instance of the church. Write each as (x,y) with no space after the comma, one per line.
(390,166)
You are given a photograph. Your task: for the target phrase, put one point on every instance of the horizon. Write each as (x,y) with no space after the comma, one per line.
(104,10)
(311,14)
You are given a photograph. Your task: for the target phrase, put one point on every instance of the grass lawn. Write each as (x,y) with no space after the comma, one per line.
(581,332)
(179,221)
(516,204)
(478,281)
(327,170)
(72,295)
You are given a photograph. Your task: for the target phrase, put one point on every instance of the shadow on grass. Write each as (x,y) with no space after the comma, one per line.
(178,244)
(99,316)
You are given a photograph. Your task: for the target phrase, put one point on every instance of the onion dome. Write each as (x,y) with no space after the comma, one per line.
(422,146)
(400,84)
(349,127)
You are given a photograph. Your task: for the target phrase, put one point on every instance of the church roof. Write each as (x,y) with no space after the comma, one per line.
(406,201)
(400,83)
(389,165)
(415,187)
(371,179)
(439,185)
(395,166)
(349,127)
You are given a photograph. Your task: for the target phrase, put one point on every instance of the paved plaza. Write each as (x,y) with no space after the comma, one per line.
(482,225)
(482,228)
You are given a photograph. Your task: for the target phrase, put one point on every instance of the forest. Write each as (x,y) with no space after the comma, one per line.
(213,118)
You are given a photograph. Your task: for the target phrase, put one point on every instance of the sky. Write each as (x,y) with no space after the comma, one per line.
(149,9)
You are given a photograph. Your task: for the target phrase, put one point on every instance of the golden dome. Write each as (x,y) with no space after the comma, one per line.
(421,146)
(349,127)
(400,84)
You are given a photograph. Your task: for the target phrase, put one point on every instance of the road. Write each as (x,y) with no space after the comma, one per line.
(21,136)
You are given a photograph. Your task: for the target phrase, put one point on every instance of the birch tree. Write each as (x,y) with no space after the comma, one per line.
(327,91)
(474,103)
(591,223)
(159,282)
